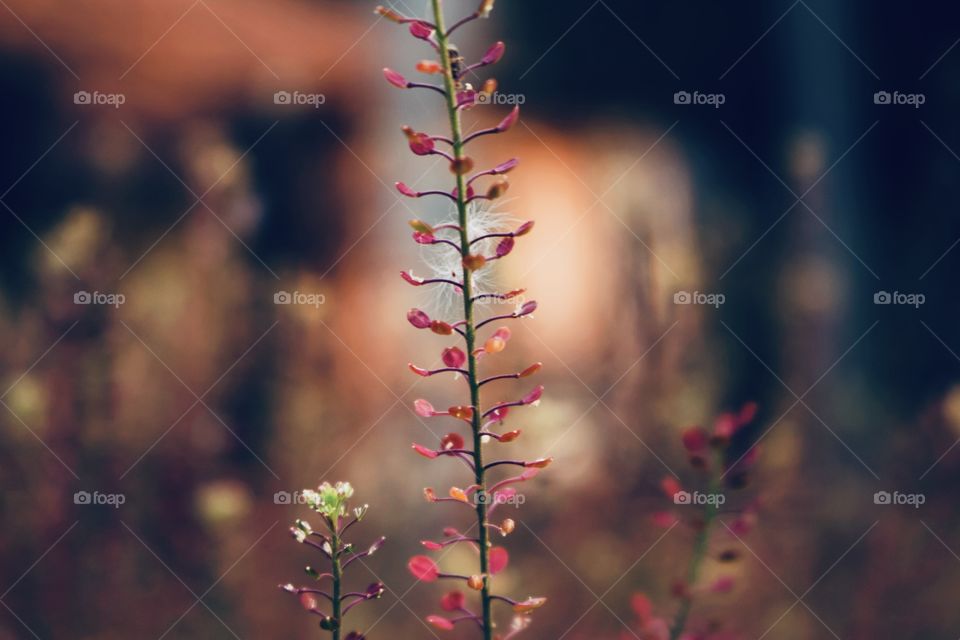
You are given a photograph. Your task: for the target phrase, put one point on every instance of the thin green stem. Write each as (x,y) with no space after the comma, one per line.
(699,554)
(469,330)
(337,579)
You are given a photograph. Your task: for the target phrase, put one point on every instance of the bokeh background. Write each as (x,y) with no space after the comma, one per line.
(197,399)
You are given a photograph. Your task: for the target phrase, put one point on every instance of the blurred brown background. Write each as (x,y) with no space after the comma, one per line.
(200,197)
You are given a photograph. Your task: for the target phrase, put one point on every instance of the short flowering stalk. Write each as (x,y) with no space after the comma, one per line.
(475,246)
(709,453)
(330,502)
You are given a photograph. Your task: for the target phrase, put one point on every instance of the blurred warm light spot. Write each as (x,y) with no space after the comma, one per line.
(812,286)
(222,502)
(951,408)
(76,240)
(807,156)
(28,400)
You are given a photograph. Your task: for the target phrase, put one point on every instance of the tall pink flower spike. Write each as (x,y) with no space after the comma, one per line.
(474,424)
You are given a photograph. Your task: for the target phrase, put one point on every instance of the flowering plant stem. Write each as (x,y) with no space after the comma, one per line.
(699,554)
(337,571)
(469,328)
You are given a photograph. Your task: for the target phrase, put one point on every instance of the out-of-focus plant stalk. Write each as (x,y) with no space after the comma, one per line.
(699,552)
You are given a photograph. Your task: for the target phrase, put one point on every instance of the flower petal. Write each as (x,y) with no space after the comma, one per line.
(423,568)
(497,560)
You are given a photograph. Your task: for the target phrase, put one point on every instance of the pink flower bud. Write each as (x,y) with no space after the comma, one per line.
(504,167)
(424,408)
(498,560)
(494,53)
(723,584)
(451,441)
(694,439)
(452,601)
(309,601)
(395,78)
(424,238)
(532,369)
(421,30)
(405,190)
(510,120)
(539,463)
(418,370)
(418,318)
(423,568)
(466,98)
(424,451)
(453,357)
(500,413)
(527,308)
(523,229)
(411,279)
(510,436)
(642,606)
(504,247)
(439,622)
(533,396)
(431,545)
(670,486)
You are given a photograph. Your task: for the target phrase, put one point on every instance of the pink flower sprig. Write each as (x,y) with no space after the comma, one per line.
(331,503)
(709,453)
(472,244)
